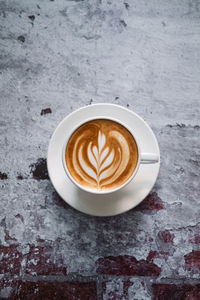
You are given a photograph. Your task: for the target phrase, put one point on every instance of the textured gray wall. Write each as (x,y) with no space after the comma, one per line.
(62,55)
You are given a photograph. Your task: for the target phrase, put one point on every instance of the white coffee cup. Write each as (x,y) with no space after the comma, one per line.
(143,157)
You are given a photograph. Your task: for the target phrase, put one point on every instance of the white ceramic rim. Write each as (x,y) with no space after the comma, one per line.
(93,191)
(86,209)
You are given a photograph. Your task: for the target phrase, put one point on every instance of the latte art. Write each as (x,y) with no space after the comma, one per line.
(101,154)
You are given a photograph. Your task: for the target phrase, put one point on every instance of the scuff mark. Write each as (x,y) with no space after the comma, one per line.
(46,111)
(21,38)
(39,169)
(90,102)
(63,12)
(123,23)
(92,37)
(19,216)
(20,177)
(59,201)
(3,176)
(126,5)
(32,17)
(152,202)
(193,6)
(181,125)
(7,236)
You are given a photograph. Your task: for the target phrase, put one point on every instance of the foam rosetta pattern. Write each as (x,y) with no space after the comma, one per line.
(99,154)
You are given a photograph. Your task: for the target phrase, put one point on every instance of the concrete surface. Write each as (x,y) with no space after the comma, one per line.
(56,56)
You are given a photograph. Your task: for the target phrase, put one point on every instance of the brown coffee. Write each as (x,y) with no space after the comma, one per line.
(101,155)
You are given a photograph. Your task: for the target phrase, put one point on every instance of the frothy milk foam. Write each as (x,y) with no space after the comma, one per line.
(101,154)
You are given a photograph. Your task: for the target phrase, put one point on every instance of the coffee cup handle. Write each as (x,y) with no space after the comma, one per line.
(149,158)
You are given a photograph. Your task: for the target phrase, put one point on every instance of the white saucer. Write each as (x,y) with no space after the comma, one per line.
(117,202)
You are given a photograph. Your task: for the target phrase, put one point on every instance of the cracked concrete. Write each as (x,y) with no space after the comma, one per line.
(56,56)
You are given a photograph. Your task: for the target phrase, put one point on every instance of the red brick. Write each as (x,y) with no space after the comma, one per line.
(114,294)
(121,288)
(151,202)
(53,290)
(194,235)
(126,286)
(7,288)
(155,254)
(174,292)
(116,289)
(167,236)
(192,259)
(195,239)
(126,266)
(43,260)
(11,260)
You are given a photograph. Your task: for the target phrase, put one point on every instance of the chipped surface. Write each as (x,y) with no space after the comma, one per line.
(127,266)
(57,56)
(172,291)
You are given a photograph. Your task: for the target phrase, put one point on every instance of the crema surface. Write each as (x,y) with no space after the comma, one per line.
(101,155)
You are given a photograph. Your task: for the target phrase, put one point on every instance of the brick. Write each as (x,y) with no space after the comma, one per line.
(166,236)
(156,254)
(126,266)
(195,239)
(174,292)
(151,202)
(45,290)
(7,288)
(192,260)
(54,290)
(194,234)
(11,260)
(43,260)
(124,289)
(116,289)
